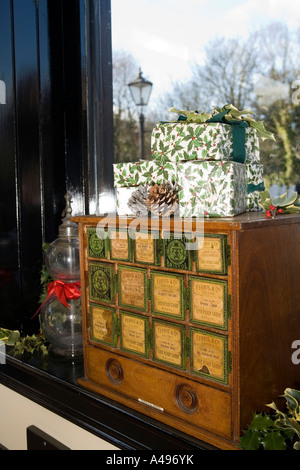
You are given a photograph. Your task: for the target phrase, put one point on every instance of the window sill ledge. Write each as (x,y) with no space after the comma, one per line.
(108,420)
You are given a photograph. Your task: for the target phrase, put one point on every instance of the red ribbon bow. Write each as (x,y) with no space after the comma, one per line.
(64,291)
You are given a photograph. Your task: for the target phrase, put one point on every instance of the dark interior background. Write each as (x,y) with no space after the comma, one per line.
(44,148)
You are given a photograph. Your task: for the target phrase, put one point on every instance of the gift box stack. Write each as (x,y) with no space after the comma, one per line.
(213,161)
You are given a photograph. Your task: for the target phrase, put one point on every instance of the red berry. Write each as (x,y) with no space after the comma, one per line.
(269,214)
(272,207)
(280,211)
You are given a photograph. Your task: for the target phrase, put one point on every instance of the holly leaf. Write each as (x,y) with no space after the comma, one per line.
(192,116)
(265,200)
(238,115)
(261,422)
(251,440)
(233,114)
(274,441)
(293,401)
(283,200)
(9,337)
(260,127)
(297,446)
(13,337)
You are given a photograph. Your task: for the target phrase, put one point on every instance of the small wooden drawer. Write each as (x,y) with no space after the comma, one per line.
(187,404)
(102,286)
(146,247)
(133,287)
(134,333)
(119,245)
(209,302)
(209,355)
(212,254)
(167,294)
(96,243)
(176,253)
(169,344)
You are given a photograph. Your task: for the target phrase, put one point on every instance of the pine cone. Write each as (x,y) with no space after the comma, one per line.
(137,201)
(163,199)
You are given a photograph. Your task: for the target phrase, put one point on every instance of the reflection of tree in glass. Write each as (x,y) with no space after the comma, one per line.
(126,130)
(258,73)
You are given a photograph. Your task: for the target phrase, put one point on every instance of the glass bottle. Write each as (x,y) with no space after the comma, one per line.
(61,324)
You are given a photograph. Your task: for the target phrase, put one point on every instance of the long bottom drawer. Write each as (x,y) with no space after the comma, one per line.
(196,409)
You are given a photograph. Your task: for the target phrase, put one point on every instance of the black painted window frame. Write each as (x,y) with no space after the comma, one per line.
(80,47)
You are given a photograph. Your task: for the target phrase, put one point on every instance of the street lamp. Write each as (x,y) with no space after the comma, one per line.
(140,91)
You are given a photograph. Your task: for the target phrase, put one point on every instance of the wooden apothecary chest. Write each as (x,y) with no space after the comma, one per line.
(190,323)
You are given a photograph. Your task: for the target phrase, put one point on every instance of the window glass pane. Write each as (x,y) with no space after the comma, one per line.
(200,54)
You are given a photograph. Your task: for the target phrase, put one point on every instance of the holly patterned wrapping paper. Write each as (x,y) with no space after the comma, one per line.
(143,172)
(255,180)
(184,141)
(212,189)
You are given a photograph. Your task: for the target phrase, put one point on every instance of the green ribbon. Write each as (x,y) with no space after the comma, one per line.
(238,134)
(256,187)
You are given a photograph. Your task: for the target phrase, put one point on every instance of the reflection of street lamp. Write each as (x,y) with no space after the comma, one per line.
(140,91)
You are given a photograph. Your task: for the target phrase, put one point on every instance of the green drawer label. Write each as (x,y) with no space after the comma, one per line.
(134,333)
(103,325)
(175,253)
(146,247)
(167,294)
(169,344)
(96,243)
(102,284)
(119,245)
(208,302)
(132,287)
(209,355)
(212,255)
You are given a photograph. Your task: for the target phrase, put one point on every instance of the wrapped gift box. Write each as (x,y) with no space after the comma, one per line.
(211,188)
(184,141)
(255,180)
(129,176)
(143,172)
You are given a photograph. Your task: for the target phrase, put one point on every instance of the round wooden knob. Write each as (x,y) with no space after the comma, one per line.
(114,371)
(186,398)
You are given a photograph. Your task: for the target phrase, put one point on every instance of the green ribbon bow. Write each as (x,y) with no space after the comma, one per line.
(255,187)
(238,134)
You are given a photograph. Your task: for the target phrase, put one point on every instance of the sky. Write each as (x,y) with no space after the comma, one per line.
(166,36)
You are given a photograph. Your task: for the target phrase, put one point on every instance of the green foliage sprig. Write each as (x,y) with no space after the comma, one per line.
(233,114)
(45,277)
(23,347)
(9,337)
(277,431)
(283,204)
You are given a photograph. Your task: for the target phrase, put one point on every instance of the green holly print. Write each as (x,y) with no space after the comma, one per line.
(212,189)
(143,172)
(255,176)
(184,141)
